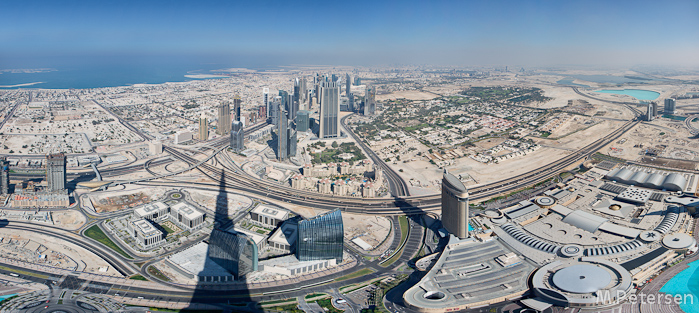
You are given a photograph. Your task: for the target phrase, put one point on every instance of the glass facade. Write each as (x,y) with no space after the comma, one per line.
(320,238)
(237,253)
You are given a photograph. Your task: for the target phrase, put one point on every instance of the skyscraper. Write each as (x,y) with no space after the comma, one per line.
(320,238)
(285,100)
(275,107)
(203,128)
(303,121)
(237,136)
(224,118)
(329,110)
(292,141)
(282,136)
(265,100)
(237,253)
(370,100)
(655,109)
(303,90)
(670,106)
(4,176)
(56,172)
(649,112)
(454,206)
(348,85)
(236,107)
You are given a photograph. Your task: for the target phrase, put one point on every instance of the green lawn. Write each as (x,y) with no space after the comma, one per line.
(157,273)
(167,229)
(356,274)
(96,233)
(314,295)
(138,277)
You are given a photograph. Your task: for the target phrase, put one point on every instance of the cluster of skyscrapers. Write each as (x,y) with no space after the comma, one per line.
(652,110)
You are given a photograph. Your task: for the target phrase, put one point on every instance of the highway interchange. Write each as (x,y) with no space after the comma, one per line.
(233,179)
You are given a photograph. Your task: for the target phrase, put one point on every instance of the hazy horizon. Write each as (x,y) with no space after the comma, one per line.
(267,33)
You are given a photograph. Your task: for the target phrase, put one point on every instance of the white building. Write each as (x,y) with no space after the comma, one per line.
(145,233)
(284,238)
(182,137)
(186,216)
(267,216)
(151,211)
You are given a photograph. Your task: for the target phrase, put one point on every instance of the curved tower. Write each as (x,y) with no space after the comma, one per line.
(454,206)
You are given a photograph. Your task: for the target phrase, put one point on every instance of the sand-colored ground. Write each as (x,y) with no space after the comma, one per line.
(68,219)
(372,229)
(84,258)
(407,94)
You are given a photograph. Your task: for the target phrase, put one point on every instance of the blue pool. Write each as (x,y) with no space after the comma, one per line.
(685,283)
(636,93)
(2,298)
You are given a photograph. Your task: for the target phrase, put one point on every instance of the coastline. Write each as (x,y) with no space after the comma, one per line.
(679,285)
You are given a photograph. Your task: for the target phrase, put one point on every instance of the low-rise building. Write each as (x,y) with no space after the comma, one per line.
(151,211)
(268,216)
(186,216)
(284,238)
(147,235)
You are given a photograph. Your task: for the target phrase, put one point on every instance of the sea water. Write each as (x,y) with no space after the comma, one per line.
(636,93)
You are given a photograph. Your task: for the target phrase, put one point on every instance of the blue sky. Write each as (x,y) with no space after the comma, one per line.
(352,32)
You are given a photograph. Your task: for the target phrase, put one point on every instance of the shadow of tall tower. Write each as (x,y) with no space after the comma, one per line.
(212,288)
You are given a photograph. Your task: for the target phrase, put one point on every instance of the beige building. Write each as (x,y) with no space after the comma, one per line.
(186,216)
(145,233)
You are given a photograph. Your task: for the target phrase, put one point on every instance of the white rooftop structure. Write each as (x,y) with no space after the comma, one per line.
(147,210)
(584,220)
(271,212)
(146,228)
(186,210)
(635,195)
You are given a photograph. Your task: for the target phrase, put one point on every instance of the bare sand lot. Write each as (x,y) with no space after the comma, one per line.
(407,94)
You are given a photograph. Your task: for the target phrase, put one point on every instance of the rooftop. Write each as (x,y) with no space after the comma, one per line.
(186,210)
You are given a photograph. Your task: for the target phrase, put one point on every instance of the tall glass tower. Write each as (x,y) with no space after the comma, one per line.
(320,238)
(237,253)
(329,110)
(224,118)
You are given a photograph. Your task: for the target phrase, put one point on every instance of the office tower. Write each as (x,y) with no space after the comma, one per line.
(649,112)
(236,107)
(670,106)
(320,238)
(303,121)
(370,100)
(454,206)
(237,136)
(285,100)
(297,90)
(224,118)
(334,78)
(304,90)
(203,128)
(350,102)
(274,113)
(348,85)
(292,140)
(235,252)
(56,172)
(357,81)
(265,99)
(317,93)
(282,133)
(4,176)
(655,109)
(329,110)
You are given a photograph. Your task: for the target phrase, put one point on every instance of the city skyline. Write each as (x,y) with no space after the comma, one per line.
(50,34)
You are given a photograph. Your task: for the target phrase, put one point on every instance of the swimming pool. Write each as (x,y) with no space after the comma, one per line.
(685,283)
